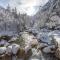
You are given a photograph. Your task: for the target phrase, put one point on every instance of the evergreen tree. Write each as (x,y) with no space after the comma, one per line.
(8,8)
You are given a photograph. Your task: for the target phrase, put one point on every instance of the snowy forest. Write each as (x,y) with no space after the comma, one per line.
(36,37)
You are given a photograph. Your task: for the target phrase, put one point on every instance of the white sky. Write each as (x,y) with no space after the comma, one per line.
(27,6)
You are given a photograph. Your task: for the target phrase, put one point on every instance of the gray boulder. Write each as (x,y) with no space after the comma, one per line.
(2,50)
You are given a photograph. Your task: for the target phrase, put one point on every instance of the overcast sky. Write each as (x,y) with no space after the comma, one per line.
(24,6)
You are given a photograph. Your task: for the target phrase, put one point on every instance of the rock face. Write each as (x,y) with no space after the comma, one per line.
(57,53)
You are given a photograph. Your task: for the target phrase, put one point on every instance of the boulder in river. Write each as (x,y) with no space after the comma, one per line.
(15,48)
(47,50)
(29,39)
(9,50)
(3,42)
(2,50)
(57,53)
(42,45)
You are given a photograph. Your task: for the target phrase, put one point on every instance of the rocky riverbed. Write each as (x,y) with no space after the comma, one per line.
(28,47)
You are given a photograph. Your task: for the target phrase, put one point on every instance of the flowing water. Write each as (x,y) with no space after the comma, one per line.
(38,55)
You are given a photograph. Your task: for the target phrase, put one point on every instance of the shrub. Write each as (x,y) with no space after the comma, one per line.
(20,41)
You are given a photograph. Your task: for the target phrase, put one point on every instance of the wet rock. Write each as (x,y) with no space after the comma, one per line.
(53,47)
(2,57)
(44,37)
(15,48)
(42,45)
(46,50)
(57,53)
(36,55)
(2,50)
(9,50)
(5,57)
(8,57)
(21,53)
(57,39)
(7,44)
(14,57)
(12,39)
(27,48)
(4,43)
(29,39)
(12,49)
(33,31)
(34,42)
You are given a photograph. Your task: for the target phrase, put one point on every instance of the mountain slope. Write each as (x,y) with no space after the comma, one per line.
(49,15)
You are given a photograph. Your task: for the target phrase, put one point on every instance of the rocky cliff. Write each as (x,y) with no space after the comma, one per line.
(49,15)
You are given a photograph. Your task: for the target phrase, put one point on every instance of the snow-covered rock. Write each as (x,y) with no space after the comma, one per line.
(9,50)
(2,50)
(15,48)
